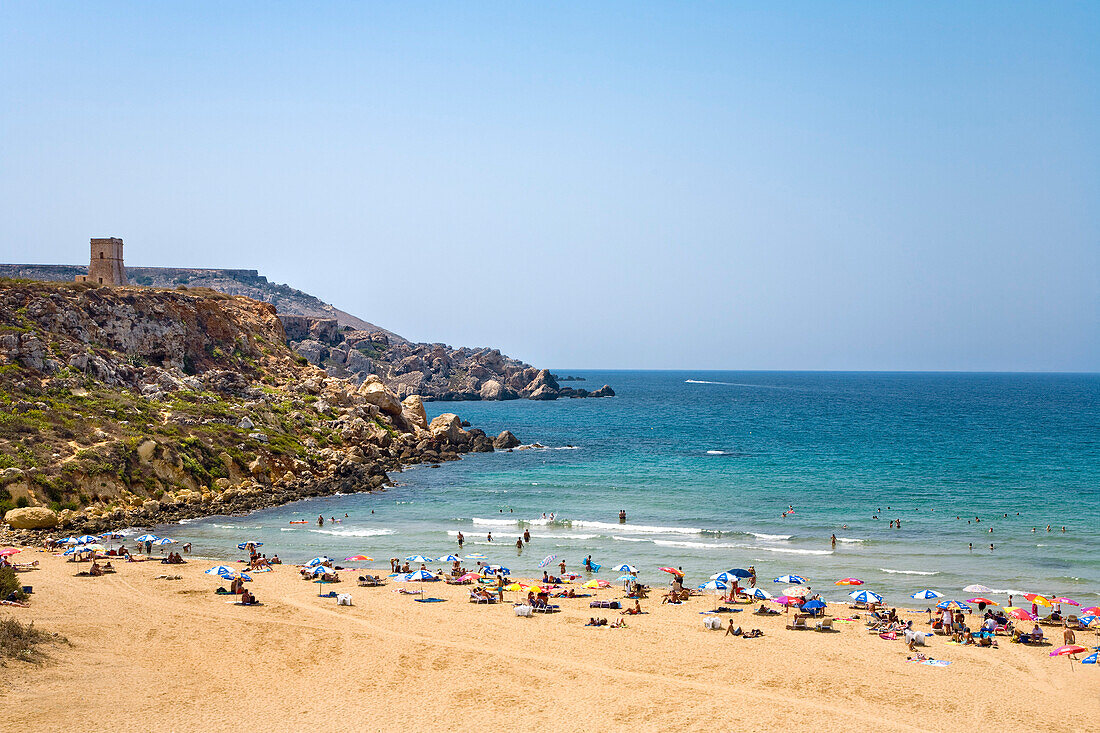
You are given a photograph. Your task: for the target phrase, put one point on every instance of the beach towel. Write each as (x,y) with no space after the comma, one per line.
(429,600)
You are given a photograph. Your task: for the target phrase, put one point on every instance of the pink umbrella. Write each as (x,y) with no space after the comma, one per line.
(787,601)
(470,576)
(1091,610)
(1068,649)
(1068,601)
(8,551)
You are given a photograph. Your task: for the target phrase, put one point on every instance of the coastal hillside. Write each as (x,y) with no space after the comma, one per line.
(138,405)
(346,346)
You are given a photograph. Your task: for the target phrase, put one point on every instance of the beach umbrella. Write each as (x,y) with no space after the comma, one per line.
(739,573)
(359,558)
(760,594)
(317,570)
(624,578)
(253,543)
(597,584)
(714,585)
(956,604)
(418,576)
(513,587)
(8,551)
(164,541)
(850,581)
(813,605)
(624,568)
(986,601)
(1087,620)
(977,588)
(725,577)
(322,560)
(787,601)
(926,595)
(94,547)
(547,560)
(70,540)
(1094,610)
(1090,659)
(418,558)
(86,539)
(476,556)
(469,576)
(795,591)
(1037,599)
(148,538)
(112,536)
(494,569)
(674,571)
(790,579)
(865,596)
(1068,601)
(1021,614)
(449,558)
(536,589)
(222,570)
(72,551)
(1068,650)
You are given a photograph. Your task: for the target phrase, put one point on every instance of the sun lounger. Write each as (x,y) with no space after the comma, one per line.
(798,625)
(604,604)
(546,609)
(825,625)
(475,598)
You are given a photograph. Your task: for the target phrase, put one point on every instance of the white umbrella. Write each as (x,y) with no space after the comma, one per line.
(977,588)
(760,594)
(624,568)
(865,596)
(926,595)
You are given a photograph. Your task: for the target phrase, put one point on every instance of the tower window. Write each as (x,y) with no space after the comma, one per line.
(101,255)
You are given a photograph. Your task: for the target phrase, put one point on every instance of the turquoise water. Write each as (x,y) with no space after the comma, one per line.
(705,463)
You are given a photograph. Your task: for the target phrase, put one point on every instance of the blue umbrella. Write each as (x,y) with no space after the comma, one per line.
(1086,620)
(164,541)
(1090,659)
(223,570)
(713,585)
(760,594)
(740,573)
(419,575)
(624,568)
(254,543)
(418,558)
(492,569)
(75,550)
(449,558)
(726,577)
(317,570)
(547,560)
(111,536)
(865,596)
(790,579)
(813,605)
(148,538)
(86,539)
(322,560)
(926,595)
(68,541)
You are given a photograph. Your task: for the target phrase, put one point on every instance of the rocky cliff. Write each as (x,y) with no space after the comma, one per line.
(134,405)
(346,346)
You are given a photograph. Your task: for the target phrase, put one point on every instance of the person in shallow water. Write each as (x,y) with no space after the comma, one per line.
(526,536)
(622,516)
(461,539)
(489,537)
(519,543)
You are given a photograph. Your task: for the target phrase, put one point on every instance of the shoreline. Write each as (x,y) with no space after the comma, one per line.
(153,640)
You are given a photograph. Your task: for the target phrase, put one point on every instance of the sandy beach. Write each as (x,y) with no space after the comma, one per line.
(171,655)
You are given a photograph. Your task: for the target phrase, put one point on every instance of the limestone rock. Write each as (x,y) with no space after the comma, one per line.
(544,392)
(375,393)
(491,390)
(245,423)
(604,391)
(449,426)
(413,410)
(31,517)
(505,440)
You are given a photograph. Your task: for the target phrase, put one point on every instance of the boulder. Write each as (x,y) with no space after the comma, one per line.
(604,391)
(311,350)
(375,393)
(31,517)
(447,426)
(505,440)
(544,392)
(412,407)
(245,423)
(492,390)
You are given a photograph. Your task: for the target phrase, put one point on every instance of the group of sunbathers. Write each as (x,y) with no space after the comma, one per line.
(173,558)
(620,624)
(736,631)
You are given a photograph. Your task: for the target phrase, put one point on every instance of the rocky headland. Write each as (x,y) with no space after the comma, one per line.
(137,405)
(348,347)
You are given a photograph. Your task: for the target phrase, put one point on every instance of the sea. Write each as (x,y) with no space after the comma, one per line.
(990,479)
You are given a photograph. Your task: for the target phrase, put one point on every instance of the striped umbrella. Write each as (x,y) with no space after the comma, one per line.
(624,568)
(1038,599)
(1090,659)
(164,541)
(148,538)
(725,577)
(714,585)
(977,588)
(86,539)
(317,570)
(70,540)
(322,560)
(7,551)
(418,558)
(1068,601)
(253,543)
(547,560)
(926,595)
(359,558)
(790,579)
(1087,620)
(760,594)
(953,604)
(417,576)
(849,581)
(476,556)
(223,570)
(986,601)
(448,558)
(865,596)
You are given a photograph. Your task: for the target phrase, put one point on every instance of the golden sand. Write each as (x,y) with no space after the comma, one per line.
(168,655)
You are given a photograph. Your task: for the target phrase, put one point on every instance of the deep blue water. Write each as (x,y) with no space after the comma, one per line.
(705,463)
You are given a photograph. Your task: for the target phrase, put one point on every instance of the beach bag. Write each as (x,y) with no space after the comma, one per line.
(713,623)
(343,599)
(524,611)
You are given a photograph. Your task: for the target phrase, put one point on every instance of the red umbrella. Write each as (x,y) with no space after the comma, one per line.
(1091,611)
(8,551)
(1068,649)
(674,571)
(986,601)
(1068,601)
(850,581)
(1022,614)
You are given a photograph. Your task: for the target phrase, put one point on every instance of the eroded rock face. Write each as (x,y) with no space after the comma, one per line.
(375,393)
(448,426)
(32,517)
(414,412)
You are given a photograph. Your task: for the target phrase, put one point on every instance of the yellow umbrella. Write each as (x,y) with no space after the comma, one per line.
(536,589)
(591,584)
(513,587)
(1037,599)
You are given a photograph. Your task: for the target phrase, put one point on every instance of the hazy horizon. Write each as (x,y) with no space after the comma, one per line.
(621,186)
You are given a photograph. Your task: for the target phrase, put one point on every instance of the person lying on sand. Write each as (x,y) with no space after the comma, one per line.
(752,634)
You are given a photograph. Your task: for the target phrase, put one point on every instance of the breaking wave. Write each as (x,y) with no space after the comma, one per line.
(353,532)
(909,572)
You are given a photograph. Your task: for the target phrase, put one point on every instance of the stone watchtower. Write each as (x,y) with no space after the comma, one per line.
(106,266)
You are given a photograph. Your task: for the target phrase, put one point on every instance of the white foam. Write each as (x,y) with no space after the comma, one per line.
(792,551)
(566,536)
(496,522)
(704,381)
(635,528)
(629,539)
(716,453)
(288,529)
(848,539)
(762,536)
(353,532)
(909,572)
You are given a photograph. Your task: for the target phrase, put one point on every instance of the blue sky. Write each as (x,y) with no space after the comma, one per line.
(631,185)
